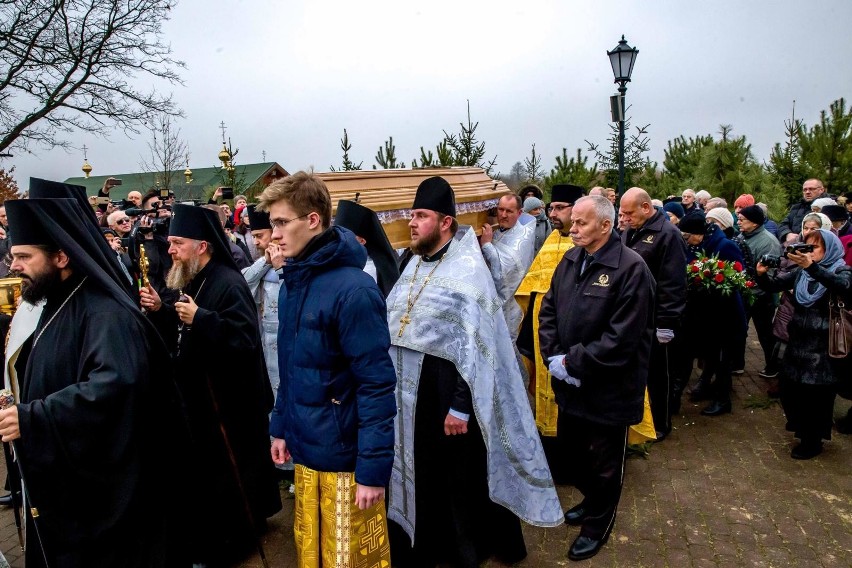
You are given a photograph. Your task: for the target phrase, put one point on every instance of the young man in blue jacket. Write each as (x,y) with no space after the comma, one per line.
(335,407)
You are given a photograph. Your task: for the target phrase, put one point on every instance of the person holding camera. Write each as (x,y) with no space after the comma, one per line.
(808,381)
(151,230)
(760,243)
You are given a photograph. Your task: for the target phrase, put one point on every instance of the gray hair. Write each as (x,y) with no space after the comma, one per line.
(688,190)
(703,194)
(604,209)
(715,202)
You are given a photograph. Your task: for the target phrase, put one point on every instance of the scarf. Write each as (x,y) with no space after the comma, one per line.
(808,290)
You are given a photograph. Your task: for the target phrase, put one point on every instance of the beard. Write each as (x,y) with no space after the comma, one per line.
(182,273)
(36,289)
(426,243)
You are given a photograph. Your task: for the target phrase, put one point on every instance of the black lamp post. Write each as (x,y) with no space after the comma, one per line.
(622,58)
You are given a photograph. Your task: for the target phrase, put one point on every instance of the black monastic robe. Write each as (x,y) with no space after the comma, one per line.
(222,352)
(92,429)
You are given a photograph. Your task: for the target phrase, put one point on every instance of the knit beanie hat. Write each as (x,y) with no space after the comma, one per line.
(754,214)
(744,200)
(822,202)
(531,203)
(724,217)
(693,223)
(674,208)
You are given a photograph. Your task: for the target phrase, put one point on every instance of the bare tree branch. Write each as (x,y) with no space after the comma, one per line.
(69,65)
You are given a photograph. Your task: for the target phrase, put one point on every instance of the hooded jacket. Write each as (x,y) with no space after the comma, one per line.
(335,406)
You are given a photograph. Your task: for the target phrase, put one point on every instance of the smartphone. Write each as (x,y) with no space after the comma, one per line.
(102,200)
(227,192)
(115,182)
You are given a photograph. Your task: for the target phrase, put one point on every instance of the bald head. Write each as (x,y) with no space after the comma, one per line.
(636,208)
(135,197)
(598,190)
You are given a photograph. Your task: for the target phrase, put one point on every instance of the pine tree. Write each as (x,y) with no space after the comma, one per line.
(348,165)
(574,170)
(785,164)
(532,168)
(386,157)
(636,146)
(466,149)
(827,148)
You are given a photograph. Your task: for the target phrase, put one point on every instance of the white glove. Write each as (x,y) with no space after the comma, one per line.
(664,335)
(558,370)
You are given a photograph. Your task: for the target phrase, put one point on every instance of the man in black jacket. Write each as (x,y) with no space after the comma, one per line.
(792,223)
(661,246)
(596,326)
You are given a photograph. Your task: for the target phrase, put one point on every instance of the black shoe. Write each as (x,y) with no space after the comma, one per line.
(576,515)
(585,547)
(7,501)
(806,450)
(660,436)
(768,373)
(699,393)
(717,408)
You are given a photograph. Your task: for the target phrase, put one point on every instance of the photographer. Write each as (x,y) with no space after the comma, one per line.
(808,382)
(151,230)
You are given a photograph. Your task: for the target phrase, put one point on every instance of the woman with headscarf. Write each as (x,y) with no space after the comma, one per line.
(808,380)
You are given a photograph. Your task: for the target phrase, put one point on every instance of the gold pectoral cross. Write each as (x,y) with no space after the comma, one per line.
(404,321)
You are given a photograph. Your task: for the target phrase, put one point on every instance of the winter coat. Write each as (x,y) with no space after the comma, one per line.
(806,359)
(335,407)
(661,246)
(603,322)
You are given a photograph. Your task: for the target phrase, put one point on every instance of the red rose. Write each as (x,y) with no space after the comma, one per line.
(719,278)
(720,264)
(697,280)
(750,284)
(738,266)
(695,268)
(707,273)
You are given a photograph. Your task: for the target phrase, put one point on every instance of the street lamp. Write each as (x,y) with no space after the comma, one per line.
(622,58)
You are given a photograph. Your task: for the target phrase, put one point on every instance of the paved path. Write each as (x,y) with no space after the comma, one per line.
(718,492)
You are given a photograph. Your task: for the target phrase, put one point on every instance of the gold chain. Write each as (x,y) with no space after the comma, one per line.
(406,319)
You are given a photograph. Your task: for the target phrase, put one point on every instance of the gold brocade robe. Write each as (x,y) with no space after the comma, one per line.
(537,281)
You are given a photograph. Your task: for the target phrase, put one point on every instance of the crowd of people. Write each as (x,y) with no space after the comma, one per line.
(424,401)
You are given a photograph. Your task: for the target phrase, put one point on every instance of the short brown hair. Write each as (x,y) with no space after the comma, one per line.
(304,192)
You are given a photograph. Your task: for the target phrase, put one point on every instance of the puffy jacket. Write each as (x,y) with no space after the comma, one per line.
(335,406)
(792,223)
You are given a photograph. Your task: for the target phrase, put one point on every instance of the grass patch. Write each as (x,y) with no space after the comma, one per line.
(760,402)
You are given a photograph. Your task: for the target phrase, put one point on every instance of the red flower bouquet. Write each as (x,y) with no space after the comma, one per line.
(721,276)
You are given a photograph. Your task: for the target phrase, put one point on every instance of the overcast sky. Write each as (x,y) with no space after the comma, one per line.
(287,77)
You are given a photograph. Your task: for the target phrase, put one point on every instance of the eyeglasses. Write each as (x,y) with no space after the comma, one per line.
(560,207)
(125,220)
(280,223)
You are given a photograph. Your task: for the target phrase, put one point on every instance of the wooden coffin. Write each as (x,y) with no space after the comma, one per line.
(390,194)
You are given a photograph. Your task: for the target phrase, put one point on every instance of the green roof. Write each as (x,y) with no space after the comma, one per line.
(202,178)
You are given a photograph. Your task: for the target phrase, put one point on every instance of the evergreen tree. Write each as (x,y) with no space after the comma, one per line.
(465,149)
(348,165)
(386,157)
(785,164)
(574,170)
(636,147)
(723,164)
(427,160)
(826,148)
(532,168)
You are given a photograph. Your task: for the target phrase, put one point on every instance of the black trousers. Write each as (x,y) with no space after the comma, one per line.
(661,385)
(597,454)
(762,312)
